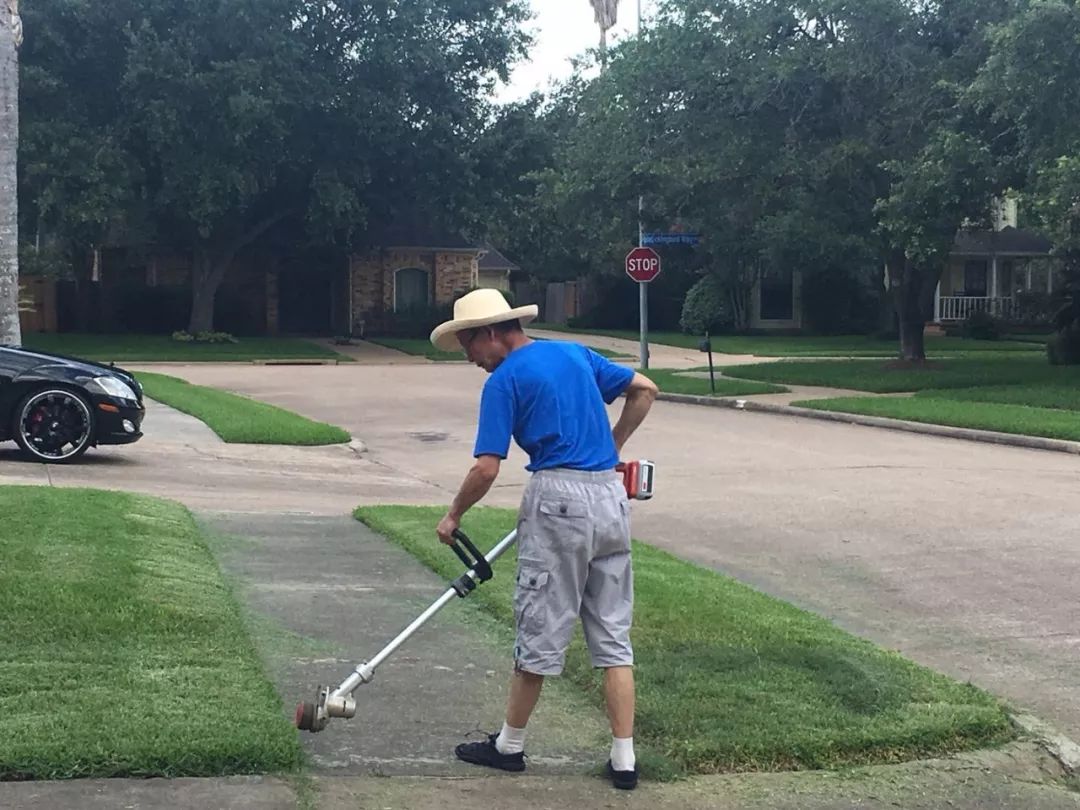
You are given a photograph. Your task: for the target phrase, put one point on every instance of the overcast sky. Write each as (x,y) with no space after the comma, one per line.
(563,29)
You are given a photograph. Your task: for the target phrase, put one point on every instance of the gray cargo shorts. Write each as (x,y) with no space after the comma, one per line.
(573,560)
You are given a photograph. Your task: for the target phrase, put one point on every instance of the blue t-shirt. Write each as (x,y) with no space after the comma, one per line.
(549,396)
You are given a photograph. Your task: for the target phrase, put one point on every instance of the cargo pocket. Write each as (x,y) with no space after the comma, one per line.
(612,520)
(562,523)
(529,605)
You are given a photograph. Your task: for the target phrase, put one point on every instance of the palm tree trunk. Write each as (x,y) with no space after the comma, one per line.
(10,39)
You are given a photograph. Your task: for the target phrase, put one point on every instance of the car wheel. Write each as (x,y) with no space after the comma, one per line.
(54,425)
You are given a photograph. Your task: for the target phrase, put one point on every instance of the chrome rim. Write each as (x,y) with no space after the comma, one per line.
(55,424)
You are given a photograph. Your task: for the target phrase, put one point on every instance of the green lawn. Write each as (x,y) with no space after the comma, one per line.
(729,679)
(673,383)
(157,348)
(238,419)
(808,346)
(123,651)
(1062,397)
(1019,419)
(878,376)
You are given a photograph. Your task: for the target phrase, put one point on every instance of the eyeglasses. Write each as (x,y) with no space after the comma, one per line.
(471,335)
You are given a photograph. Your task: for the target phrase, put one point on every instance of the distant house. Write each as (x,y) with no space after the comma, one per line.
(405,268)
(987,268)
(495,270)
(409,268)
(985,271)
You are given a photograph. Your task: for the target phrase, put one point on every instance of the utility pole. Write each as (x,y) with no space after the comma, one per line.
(605,12)
(643,289)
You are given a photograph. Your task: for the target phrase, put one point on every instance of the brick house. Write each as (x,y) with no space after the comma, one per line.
(407,272)
(412,269)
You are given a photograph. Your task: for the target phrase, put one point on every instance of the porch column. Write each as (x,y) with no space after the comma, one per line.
(993,276)
(349,296)
(1028,285)
(1049,278)
(937,302)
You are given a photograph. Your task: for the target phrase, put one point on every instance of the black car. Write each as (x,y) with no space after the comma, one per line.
(55,407)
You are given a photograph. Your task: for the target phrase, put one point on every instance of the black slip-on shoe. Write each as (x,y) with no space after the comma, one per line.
(623,780)
(485,753)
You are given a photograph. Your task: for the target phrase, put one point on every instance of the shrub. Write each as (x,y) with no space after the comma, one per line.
(204,337)
(983,326)
(706,308)
(1034,307)
(1063,349)
(416,322)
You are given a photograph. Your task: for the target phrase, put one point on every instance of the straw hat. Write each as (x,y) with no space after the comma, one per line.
(479,308)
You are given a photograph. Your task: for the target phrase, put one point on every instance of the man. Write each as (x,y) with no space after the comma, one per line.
(574,521)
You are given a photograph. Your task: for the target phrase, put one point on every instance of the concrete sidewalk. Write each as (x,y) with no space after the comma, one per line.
(333,594)
(660,355)
(364,352)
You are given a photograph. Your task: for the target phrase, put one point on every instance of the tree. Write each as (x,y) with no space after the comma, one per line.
(10,39)
(947,184)
(1029,87)
(228,119)
(757,123)
(813,135)
(942,172)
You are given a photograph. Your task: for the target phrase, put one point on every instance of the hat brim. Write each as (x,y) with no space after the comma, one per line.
(444,336)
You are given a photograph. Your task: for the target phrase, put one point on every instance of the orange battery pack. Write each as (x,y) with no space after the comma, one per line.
(638,478)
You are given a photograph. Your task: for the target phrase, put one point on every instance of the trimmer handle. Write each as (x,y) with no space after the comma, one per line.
(478,563)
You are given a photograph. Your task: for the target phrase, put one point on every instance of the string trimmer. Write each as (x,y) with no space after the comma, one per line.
(638,479)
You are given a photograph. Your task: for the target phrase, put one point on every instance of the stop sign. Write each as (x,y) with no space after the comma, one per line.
(643,264)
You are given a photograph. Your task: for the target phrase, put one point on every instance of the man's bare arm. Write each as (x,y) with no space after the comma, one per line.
(473,488)
(640,395)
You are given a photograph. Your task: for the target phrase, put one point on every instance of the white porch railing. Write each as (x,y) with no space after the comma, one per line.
(959,307)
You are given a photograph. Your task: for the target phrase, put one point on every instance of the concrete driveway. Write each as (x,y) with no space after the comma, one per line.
(962,556)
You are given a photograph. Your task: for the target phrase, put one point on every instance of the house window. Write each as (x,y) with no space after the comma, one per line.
(411,289)
(777,296)
(975,278)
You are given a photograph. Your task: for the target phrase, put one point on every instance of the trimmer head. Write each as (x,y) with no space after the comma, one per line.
(316,716)
(305,716)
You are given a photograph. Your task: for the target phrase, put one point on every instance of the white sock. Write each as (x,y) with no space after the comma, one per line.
(510,740)
(622,753)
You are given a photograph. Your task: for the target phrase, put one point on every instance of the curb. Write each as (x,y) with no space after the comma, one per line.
(1060,747)
(944,431)
(299,361)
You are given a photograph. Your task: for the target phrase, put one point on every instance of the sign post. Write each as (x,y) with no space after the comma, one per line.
(643,265)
